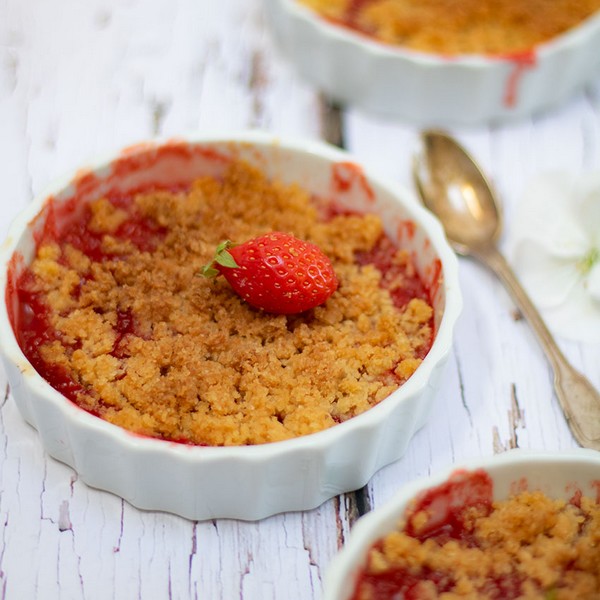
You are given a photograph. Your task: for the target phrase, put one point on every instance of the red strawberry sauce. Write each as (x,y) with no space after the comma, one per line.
(35,330)
(31,321)
(381,257)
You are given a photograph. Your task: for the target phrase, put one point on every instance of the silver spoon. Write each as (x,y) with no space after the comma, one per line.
(453,187)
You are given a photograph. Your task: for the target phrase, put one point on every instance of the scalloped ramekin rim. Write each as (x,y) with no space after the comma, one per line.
(424,88)
(575,35)
(317,442)
(368,528)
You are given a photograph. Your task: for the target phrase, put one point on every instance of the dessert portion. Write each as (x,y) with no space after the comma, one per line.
(459,27)
(456,542)
(116,315)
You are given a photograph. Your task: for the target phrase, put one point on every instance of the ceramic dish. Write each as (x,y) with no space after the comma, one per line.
(559,475)
(431,89)
(249,482)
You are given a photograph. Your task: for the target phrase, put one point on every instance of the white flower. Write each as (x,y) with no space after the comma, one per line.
(555,250)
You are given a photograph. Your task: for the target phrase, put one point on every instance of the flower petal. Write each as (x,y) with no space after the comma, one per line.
(556,227)
(593,285)
(546,214)
(577,319)
(589,208)
(547,279)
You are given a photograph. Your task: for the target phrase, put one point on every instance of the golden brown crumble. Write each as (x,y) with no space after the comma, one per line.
(549,548)
(459,26)
(200,365)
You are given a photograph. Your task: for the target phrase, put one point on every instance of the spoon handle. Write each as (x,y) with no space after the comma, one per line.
(579,400)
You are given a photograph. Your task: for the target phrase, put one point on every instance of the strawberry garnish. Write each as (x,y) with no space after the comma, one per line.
(276,272)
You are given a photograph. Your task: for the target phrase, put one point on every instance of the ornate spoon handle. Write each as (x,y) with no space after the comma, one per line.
(579,400)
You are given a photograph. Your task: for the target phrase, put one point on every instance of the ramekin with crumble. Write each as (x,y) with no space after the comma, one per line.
(132,344)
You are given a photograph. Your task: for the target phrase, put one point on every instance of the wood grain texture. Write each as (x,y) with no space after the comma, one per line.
(82,79)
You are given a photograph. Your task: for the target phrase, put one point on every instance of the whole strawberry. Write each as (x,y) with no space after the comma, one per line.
(276,272)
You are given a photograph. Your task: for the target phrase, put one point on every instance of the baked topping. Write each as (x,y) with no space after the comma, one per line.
(114,315)
(457,543)
(459,27)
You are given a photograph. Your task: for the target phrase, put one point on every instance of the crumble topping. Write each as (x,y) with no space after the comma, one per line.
(460,26)
(529,546)
(153,347)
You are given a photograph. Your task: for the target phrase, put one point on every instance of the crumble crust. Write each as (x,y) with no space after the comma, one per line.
(459,26)
(550,548)
(196,363)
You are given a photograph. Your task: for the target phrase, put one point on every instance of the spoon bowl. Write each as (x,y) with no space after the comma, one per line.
(454,188)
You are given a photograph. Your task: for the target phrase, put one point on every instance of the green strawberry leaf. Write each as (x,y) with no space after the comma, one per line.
(222,257)
(209,271)
(225,259)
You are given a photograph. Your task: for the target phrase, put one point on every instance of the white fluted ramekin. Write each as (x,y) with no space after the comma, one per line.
(559,475)
(249,482)
(430,89)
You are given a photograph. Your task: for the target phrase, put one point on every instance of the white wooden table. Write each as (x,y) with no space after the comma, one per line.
(80,79)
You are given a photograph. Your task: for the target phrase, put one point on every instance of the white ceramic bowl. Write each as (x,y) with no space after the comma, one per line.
(431,89)
(248,482)
(558,475)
